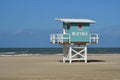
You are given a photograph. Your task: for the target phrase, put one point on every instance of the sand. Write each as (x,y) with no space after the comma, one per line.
(50,67)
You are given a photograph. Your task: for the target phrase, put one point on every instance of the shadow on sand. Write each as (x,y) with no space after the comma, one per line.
(88,61)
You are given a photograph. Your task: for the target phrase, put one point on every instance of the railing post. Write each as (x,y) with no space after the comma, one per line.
(59,38)
(94,38)
(70,54)
(97,38)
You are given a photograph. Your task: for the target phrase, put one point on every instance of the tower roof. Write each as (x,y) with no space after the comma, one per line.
(68,20)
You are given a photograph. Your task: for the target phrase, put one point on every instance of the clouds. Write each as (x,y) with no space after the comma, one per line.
(24,38)
(22,32)
(111,31)
(109,36)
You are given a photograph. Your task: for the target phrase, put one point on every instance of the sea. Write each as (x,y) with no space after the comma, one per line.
(51,51)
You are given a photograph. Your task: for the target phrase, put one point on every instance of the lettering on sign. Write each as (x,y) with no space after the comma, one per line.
(79,33)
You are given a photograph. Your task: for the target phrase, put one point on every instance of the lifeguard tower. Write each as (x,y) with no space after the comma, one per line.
(75,38)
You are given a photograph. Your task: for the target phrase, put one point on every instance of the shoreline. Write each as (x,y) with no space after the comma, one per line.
(54,54)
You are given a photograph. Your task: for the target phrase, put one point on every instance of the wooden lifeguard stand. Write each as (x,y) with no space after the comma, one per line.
(75,38)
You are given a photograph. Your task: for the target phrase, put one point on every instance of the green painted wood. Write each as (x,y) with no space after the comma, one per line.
(79,32)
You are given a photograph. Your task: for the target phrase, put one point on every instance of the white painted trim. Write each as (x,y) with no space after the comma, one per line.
(94,38)
(68,20)
(70,56)
(58,38)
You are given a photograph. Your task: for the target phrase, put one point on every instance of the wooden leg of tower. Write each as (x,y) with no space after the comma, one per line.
(63,60)
(63,53)
(85,54)
(70,54)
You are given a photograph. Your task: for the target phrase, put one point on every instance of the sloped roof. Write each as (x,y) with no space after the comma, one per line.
(68,20)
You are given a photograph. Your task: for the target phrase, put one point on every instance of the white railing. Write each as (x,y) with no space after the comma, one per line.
(94,38)
(59,38)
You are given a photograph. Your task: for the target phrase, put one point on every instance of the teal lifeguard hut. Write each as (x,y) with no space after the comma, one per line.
(75,38)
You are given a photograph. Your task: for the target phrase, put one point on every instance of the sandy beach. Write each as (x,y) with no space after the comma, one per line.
(50,67)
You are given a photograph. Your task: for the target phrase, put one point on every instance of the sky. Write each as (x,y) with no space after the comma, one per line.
(29,23)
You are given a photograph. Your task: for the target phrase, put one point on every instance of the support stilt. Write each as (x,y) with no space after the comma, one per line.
(64,53)
(71,53)
(85,54)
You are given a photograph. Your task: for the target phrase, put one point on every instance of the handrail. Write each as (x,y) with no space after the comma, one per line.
(94,38)
(60,38)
